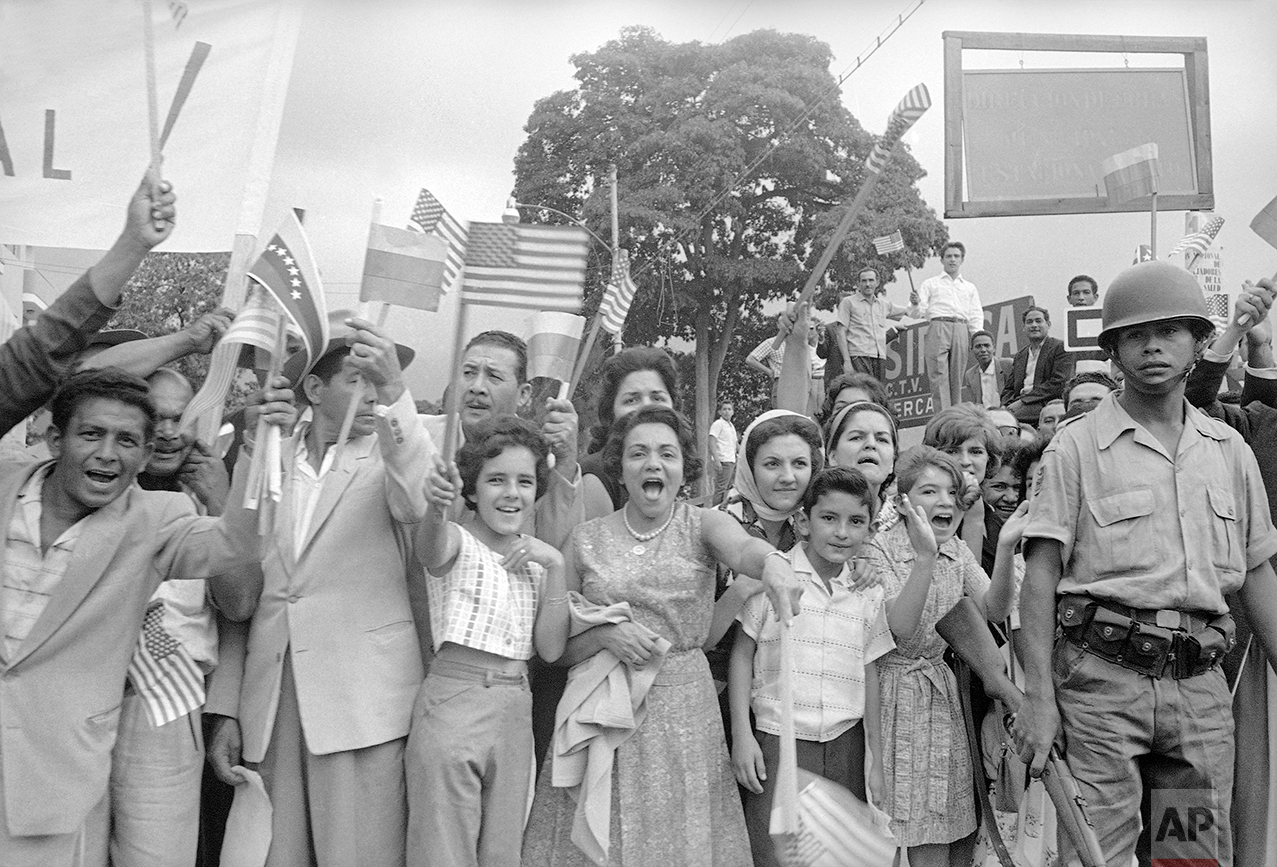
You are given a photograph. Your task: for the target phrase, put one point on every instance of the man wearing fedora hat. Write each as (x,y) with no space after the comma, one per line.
(332,665)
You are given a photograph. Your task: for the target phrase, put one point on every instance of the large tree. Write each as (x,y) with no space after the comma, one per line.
(732,162)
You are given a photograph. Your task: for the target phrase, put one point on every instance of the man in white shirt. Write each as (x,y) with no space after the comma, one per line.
(722,448)
(951,306)
(863,317)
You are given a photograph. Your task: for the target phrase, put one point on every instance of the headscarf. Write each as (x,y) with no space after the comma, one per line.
(745,484)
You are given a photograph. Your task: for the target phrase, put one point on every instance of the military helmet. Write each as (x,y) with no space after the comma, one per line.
(1151,292)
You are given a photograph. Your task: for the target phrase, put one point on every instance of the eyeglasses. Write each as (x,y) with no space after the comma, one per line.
(1009,430)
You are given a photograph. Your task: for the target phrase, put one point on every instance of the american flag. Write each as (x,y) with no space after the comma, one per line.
(912,107)
(534,267)
(887,244)
(431,216)
(1217,305)
(1195,244)
(162,671)
(618,297)
(257,324)
(287,270)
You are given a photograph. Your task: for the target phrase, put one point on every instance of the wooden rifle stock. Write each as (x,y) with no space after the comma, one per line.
(965,630)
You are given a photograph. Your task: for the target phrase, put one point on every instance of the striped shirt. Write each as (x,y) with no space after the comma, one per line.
(31,576)
(480,604)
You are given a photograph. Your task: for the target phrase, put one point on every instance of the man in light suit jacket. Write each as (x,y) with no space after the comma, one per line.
(1040,370)
(332,665)
(84,550)
(982,382)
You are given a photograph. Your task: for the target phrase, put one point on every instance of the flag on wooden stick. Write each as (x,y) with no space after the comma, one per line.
(618,296)
(286,269)
(553,343)
(912,107)
(431,217)
(888,244)
(1196,243)
(535,267)
(403,267)
(1131,174)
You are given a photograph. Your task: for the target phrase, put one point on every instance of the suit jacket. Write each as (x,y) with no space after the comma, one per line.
(60,693)
(338,602)
(1054,369)
(34,359)
(971,390)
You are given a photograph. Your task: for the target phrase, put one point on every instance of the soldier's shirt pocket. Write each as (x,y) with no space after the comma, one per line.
(1124,533)
(1227,550)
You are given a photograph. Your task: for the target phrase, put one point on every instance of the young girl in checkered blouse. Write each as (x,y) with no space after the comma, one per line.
(496,596)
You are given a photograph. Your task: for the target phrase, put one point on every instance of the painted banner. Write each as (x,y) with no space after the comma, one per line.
(907,382)
(73,116)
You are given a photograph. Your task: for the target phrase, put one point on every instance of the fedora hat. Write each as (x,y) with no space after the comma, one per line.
(338,331)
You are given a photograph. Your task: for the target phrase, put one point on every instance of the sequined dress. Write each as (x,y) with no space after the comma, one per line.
(674,799)
(926,761)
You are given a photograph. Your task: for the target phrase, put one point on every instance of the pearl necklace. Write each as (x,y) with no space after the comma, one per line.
(644,537)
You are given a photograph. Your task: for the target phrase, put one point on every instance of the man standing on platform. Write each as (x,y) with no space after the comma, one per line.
(861,327)
(722,448)
(951,306)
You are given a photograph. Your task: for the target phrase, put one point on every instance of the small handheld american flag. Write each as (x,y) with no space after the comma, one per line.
(888,244)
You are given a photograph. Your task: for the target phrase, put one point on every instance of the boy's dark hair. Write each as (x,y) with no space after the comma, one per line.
(492,437)
(962,248)
(508,341)
(109,383)
(1089,376)
(839,479)
(1024,458)
(983,333)
(1046,314)
(652,414)
(1082,278)
(614,371)
(798,425)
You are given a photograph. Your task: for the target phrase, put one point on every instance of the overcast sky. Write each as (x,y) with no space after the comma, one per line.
(389,96)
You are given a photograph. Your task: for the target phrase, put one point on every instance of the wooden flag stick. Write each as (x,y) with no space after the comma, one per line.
(784,819)
(356,398)
(198,55)
(449,445)
(835,241)
(152,102)
(588,347)
(256,469)
(1152,241)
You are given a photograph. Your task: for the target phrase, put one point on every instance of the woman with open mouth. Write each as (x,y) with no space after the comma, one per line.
(862,436)
(926,569)
(674,798)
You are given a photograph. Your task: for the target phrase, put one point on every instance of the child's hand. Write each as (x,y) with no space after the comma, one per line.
(876,785)
(921,536)
(863,576)
(443,484)
(1013,530)
(970,493)
(747,762)
(529,549)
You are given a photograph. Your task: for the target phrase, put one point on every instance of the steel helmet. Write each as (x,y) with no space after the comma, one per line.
(1152,292)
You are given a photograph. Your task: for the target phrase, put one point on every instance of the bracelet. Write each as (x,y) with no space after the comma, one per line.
(557,600)
(774,552)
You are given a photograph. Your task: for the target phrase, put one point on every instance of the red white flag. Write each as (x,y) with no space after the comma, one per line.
(535,267)
(553,344)
(403,267)
(1131,174)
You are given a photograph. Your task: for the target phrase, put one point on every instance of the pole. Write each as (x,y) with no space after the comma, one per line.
(593,336)
(152,100)
(348,422)
(616,217)
(454,396)
(1152,239)
(909,271)
(835,240)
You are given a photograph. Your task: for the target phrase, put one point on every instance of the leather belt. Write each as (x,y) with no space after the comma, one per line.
(1156,643)
(947,319)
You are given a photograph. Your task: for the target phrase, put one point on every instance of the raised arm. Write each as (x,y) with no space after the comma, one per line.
(904,613)
(748,556)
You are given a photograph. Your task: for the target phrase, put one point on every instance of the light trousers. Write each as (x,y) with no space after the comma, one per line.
(469,769)
(945,346)
(155,788)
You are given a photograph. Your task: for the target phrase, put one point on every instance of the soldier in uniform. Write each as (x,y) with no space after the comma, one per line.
(1148,512)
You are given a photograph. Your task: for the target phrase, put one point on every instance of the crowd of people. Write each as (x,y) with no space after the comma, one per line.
(519,654)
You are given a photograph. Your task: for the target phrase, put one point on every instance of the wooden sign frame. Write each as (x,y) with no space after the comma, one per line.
(1192,49)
